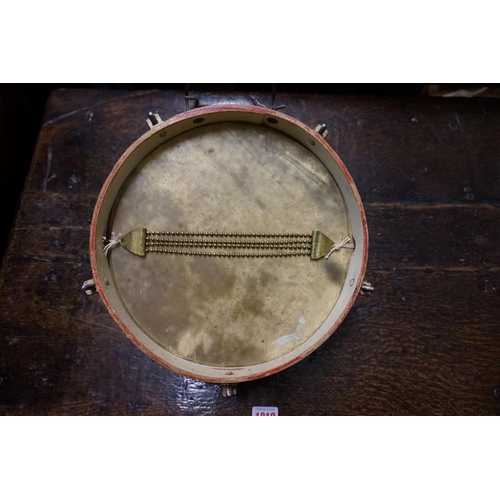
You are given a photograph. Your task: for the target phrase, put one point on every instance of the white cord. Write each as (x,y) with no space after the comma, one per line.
(338,246)
(112,243)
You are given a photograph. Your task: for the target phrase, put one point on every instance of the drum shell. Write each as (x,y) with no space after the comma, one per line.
(172,128)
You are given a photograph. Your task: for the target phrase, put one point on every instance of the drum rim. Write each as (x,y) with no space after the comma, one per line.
(221,376)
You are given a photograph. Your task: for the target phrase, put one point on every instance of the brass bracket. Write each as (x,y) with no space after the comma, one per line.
(135,241)
(321,245)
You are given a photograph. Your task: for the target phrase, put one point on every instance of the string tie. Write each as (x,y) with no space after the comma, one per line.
(338,246)
(112,242)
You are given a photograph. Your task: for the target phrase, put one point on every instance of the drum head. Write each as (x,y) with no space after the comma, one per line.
(229,169)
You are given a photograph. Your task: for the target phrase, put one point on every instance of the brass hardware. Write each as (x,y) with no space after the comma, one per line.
(321,245)
(135,241)
(315,245)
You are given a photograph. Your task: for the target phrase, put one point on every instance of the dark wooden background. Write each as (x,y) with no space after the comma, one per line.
(426,342)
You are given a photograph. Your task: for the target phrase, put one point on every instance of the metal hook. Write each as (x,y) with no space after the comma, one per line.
(196,100)
(187,98)
(273,96)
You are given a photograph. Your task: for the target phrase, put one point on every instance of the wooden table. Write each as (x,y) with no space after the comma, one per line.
(426,342)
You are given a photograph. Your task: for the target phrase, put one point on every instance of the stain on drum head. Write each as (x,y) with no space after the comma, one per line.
(228,312)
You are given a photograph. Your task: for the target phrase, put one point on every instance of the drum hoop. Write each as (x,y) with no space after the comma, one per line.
(292,127)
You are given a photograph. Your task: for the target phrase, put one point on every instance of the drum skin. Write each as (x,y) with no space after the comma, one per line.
(229,169)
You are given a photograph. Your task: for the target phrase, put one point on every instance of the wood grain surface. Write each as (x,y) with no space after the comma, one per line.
(426,342)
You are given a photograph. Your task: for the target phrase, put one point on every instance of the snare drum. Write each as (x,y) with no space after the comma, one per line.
(202,235)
